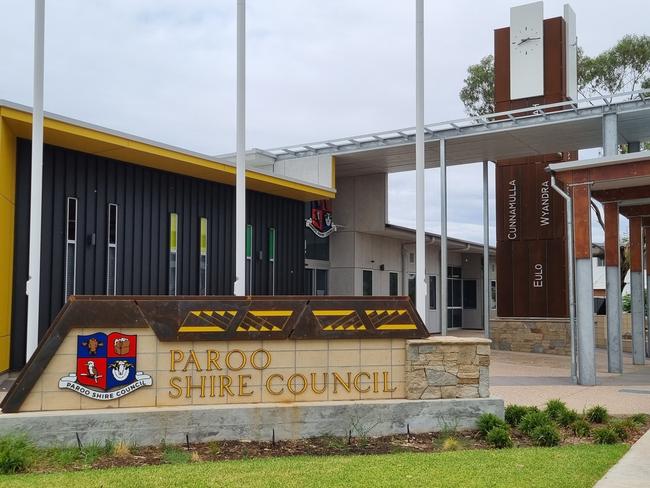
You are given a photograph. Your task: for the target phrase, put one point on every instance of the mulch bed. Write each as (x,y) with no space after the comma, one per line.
(328,446)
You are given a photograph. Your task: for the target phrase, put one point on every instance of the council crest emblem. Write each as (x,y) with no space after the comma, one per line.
(321,219)
(106,367)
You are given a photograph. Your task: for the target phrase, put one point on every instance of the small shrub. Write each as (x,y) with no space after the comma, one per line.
(532,420)
(195,457)
(545,435)
(621,428)
(514,414)
(567,418)
(605,435)
(121,450)
(65,456)
(215,448)
(175,455)
(639,418)
(581,428)
(451,444)
(487,422)
(16,454)
(555,409)
(597,414)
(499,437)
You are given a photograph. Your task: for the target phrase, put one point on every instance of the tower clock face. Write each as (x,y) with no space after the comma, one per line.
(527,51)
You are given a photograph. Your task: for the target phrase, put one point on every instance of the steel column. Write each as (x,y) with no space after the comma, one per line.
(443,239)
(636,284)
(240,180)
(584,285)
(36,197)
(486,252)
(613,280)
(610,134)
(420,251)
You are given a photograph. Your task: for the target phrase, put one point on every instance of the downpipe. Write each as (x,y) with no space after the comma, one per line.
(571,287)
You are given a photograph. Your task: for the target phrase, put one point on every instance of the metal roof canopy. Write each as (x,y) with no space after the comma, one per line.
(549,128)
(622,178)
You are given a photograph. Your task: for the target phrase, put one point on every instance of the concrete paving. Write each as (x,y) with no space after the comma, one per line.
(633,470)
(533,379)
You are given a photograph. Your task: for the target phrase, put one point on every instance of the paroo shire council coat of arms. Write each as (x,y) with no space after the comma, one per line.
(106,367)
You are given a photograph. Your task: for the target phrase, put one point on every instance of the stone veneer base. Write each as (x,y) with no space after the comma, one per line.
(150,426)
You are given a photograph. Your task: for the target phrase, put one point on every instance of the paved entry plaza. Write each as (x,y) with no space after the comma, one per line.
(533,379)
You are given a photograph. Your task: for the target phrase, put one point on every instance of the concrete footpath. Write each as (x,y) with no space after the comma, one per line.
(533,379)
(633,470)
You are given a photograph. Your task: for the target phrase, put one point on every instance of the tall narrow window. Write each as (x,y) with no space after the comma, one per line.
(71,248)
(249,259)
(272,258)
(392,284)
(111,251)
(173,252)
(203,257)
(432,292)
(367,282)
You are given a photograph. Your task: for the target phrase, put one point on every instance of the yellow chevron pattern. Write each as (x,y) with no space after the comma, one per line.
(207,321)
(344,320)
(264,321)
(393,319)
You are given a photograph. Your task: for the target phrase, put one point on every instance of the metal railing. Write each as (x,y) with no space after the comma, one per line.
(542,113)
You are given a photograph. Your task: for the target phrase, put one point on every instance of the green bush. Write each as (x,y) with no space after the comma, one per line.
(489,421)
(639,418)
(16,454)
(555,409)
(545,435)
(605,435)
(532,420)
(568,417)
(499,437)
(514,414)
(597,415)
(175,455)
(622,428)
(581,428)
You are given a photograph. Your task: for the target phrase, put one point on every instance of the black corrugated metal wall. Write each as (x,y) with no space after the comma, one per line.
(145,198)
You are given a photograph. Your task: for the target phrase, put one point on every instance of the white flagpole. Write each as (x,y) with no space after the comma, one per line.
(33,281)
(240,184)
(420,266)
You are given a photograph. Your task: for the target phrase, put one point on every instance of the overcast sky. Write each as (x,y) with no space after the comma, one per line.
(165,70)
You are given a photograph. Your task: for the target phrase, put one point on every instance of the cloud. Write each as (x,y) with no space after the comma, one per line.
(165,69)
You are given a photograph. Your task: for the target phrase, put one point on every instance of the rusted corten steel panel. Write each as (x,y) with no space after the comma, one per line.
(636,244)
(635,211)
(554,60)
(582,221)
(618,194)
(531,220)
(556,278)
(504,279)
(224,318)
(502,68)
(612,252)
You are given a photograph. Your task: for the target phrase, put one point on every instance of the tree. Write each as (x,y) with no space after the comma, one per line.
(624,67)
(478,93)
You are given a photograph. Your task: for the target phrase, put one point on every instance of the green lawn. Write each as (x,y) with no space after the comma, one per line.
(571,466)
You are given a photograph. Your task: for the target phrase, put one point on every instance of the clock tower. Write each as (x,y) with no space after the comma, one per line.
(535,64)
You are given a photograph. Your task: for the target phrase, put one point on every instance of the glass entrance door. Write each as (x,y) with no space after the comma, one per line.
(454,297)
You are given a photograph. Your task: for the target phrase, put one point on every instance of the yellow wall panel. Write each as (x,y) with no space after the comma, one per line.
(7,208)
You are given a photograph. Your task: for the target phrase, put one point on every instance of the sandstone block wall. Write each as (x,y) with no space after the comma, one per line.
(447,367)
(626,329)
(549,336)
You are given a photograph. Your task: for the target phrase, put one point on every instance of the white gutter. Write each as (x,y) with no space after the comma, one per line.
(571,286)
